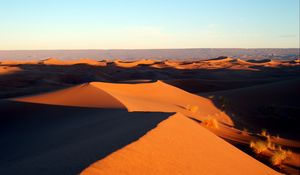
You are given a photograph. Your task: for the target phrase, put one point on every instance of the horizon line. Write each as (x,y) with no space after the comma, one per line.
(154,48)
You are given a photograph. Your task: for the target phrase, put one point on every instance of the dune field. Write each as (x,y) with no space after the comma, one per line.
(150,116)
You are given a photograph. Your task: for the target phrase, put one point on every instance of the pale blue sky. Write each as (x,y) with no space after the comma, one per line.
(137,24)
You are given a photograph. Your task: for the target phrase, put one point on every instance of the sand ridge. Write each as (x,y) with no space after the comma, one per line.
(178,145)
(211,64)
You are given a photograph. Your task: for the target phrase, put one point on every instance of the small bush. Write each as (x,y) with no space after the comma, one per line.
(258,146)
(278,157)
(211,122)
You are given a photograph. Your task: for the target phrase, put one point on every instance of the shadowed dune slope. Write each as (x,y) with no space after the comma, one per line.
(176,145)
(47,139)
(273,106)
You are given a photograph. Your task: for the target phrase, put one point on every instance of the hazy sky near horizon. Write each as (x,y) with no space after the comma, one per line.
(146,24)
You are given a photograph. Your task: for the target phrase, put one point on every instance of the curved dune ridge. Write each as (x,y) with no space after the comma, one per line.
(152,97)
(84,95)
(179,146)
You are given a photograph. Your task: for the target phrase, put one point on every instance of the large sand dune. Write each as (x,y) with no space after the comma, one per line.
(154,97)
(85,95)
(178,146)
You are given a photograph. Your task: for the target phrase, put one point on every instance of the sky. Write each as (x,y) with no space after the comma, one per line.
(148,24)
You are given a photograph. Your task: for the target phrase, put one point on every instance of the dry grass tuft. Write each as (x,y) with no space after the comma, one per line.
(211,122)
(258,146)
(279,156)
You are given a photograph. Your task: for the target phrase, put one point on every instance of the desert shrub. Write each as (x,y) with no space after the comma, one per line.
(211,122)
(258,146)
(279,156)
(192,108)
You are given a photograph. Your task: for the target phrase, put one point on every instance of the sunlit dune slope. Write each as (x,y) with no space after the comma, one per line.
(54,61)
(84,95)
(157,96)
(17,62)
(178,145)
(130,64)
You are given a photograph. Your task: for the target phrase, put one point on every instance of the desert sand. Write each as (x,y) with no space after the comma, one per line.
(178,146)
(148,116)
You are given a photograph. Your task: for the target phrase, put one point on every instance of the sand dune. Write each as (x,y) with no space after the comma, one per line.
(276,101)
(54,61)
(178,146)
(85,95)
(182,144)
(154,97)
(130,64)
(17,62)
(9,70)
(222,62)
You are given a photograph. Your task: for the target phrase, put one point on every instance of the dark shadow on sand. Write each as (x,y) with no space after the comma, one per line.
(46,139)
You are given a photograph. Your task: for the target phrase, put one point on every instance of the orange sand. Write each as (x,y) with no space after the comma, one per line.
(179,146)
(157,96)
(83,95)
(54,61)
